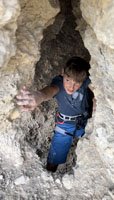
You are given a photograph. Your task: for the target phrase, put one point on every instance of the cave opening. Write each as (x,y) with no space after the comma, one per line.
(60,42)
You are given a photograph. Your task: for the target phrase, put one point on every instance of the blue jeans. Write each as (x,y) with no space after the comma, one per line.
(61,143)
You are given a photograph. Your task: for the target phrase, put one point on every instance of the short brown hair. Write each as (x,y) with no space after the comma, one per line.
(77,68)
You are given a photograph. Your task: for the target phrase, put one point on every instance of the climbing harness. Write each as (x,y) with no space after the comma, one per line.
(79,123)
(65,118)
(68,118)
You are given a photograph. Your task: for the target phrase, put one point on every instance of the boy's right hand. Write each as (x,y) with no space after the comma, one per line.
(29,99)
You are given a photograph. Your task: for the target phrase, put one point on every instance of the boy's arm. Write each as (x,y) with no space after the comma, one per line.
(49,91)
(31,99)
(94,100)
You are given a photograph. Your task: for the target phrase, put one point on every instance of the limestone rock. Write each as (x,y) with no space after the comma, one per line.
(19,71)
(102,73)
(92,176)
(100,16)
(67,181)
(9,11)
(7,47)
(7,92)
(14,114)
(21,180)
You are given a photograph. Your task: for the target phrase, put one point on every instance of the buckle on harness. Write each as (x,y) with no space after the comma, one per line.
(68,118)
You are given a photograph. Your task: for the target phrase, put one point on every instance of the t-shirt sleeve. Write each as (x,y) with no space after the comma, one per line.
(58,82)
(87,82)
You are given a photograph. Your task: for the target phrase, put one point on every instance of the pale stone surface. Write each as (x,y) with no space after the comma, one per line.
(9,145)
(8,11)
(35,16)
(92,177)
(20,70)
(21,180)
(98,40)
(8,90)
(7,47)
(100,16)
(67,181)
(15,114)
(1,177)
(58,181)
(102,75)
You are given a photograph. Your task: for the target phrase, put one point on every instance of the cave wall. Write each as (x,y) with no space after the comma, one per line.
(98,39)
(21,32)
(9,12)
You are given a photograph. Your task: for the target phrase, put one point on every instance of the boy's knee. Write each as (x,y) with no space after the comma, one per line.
(51,167)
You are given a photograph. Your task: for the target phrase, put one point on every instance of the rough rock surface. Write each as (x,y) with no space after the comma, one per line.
(102,75)
(47,35)
(20,69)
(100,16)
(9,11)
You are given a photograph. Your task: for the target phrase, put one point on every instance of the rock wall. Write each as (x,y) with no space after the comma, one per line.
(21,30)
(98,38)
(9,12)
(35,41)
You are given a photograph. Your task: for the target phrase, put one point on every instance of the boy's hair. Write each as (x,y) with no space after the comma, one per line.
(77,68)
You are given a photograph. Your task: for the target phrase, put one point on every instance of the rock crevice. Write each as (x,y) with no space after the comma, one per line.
(36,39)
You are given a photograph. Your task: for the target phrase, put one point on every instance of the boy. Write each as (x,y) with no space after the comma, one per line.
(71,91)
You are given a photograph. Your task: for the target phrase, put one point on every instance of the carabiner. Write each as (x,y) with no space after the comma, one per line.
(58,120)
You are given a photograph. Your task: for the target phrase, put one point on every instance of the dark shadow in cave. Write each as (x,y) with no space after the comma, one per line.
(60,42)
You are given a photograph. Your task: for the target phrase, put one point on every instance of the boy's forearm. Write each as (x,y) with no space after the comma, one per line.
(30,99)
(48,92)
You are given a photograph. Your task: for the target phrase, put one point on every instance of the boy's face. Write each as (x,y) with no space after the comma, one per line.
(70,85)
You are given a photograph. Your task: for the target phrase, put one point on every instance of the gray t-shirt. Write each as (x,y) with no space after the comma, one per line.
(74,104)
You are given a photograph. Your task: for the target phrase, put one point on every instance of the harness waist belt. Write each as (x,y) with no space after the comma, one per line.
(69,118)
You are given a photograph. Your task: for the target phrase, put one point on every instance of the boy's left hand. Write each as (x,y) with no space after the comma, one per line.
(29,99)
